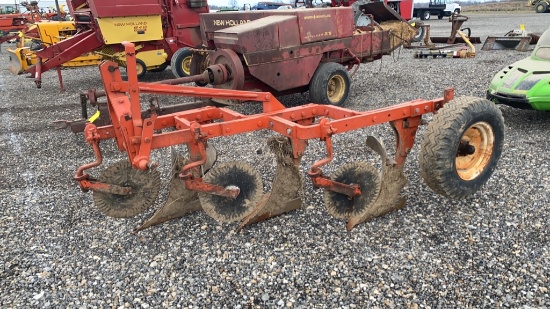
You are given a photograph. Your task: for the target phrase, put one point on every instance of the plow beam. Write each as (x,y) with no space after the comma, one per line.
(233,191)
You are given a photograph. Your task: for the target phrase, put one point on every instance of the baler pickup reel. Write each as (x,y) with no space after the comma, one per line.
(233,191)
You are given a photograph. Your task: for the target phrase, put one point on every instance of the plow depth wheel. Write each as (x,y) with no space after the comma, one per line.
(145,190)
(180,63)
(330,84)
(231,175)
(462,146)
(362,174)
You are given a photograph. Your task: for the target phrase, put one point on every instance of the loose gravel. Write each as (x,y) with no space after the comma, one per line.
(489,250)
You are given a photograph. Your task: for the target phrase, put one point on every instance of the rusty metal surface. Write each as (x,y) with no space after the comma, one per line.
(297,125)
(519,43)
(380,11)
(457,40)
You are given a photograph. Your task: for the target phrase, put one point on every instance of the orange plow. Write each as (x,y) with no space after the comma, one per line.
(460,150)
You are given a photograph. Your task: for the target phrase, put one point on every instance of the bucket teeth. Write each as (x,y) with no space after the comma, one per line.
(389,197)
(180,200)
(287,185)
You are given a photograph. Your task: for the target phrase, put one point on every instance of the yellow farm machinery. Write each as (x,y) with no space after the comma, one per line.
(41,35)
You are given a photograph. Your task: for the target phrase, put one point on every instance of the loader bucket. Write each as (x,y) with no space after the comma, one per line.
(389,196)
(180,201)
(286,189)
(17,63)
(380,11)
(519,43)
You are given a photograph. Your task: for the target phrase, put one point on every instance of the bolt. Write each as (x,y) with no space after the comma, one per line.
(267,97)
(164,122)
(292,116)
(227,129)
(135,141)
(210,132)
(147,140)
(149,123)
(374,119)
(199,117)
(116,86)
(288,131)
(260,123)
(426,108)
(271,124)
(416,110)
(121,100)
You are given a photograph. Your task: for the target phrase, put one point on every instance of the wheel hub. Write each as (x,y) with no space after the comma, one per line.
(474,151)
(336,88)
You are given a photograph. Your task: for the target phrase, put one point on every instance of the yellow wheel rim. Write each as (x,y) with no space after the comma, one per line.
(139,68)
(481,136)
(336,89)
(186,65)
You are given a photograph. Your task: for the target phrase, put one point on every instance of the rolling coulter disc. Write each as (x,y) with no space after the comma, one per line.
(234,66)
(145,189)
(362,174)
(232,174)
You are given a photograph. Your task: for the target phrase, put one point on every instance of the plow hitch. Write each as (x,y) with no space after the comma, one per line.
(459,152)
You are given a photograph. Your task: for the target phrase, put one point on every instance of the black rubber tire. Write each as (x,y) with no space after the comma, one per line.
(440,16)
(541,7)
(176,63)
(456,11)
(241,175)
(143,71)
(360,173)
(161,68)
(146,186)
(426,15)
(440,146)
(320,83)
(421,31)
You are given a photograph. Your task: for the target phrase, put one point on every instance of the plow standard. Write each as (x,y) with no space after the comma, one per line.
(459,153)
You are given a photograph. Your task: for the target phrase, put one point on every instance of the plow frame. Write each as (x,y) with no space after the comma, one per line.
(137,136)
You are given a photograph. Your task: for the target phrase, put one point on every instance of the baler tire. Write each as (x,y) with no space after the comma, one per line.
(541,7)
(140,64)
(444,164)
(178,60)
(329,75)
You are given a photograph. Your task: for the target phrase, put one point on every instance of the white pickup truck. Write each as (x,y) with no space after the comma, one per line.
(424,9)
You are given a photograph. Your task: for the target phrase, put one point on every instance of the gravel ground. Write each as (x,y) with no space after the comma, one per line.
(488,250)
